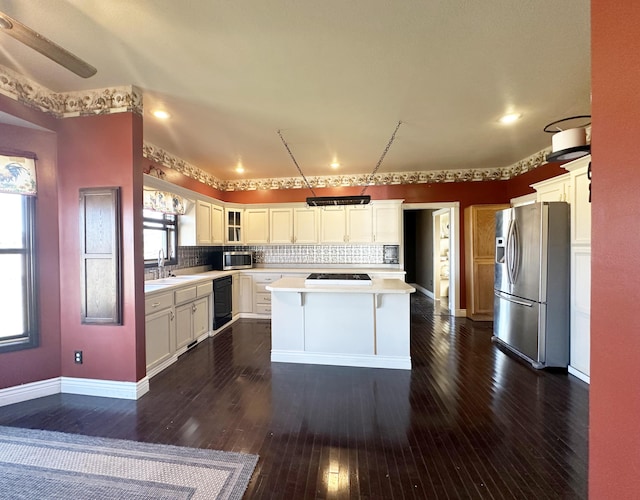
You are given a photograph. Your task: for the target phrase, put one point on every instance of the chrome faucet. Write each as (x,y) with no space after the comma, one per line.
(160,263)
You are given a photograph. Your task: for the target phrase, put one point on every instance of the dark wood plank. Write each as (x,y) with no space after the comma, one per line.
(468,421)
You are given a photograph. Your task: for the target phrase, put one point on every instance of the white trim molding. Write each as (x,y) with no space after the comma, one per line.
(26,392)
(104,388)
(68,385)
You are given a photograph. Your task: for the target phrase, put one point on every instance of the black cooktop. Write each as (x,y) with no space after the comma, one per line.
(339,276)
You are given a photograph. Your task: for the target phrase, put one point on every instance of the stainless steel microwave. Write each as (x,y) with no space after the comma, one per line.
(226,261)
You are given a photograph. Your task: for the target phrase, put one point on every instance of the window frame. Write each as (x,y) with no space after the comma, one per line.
(169,223)
(30,338)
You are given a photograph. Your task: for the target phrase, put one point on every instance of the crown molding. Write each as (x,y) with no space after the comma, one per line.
(70,104)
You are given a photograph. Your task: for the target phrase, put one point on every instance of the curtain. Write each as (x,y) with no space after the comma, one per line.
(162,201)
(17,175)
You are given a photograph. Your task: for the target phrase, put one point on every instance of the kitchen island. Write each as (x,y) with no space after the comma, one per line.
(341,324)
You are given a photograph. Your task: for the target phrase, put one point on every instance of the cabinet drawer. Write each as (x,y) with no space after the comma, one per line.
(158,302)
(205,289)
(263,298)
(261,287)
(186,294)
(265,278)
(263,308)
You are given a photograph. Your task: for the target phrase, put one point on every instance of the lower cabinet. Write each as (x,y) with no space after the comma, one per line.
(160,337)
(245,292)
(192,320)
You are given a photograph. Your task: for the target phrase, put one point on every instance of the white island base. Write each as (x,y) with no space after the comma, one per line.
(345,325)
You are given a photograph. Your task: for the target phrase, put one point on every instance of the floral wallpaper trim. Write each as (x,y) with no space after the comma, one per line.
(17,175)
(165,159)
(70,104)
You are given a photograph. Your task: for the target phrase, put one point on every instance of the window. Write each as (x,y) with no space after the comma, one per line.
(18,329)
(160,234)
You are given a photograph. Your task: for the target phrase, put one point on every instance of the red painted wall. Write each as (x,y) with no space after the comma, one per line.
(42,362)
(100,151)
(614,434)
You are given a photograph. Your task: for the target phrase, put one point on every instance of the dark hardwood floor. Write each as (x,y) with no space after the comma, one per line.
(468,421)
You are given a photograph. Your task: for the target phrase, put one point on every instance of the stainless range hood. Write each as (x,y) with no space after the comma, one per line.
(324,201)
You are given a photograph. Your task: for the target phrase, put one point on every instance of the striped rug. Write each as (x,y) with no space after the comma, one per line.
(37,464)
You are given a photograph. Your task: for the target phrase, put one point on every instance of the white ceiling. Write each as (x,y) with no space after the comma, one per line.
(335,76)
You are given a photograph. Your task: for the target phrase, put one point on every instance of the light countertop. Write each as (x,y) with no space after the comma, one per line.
(379,286)
(161,285)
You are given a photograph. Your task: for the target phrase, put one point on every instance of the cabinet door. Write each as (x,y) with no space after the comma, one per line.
(217,225)
(200,309)
(386,224)
(246,294)
(305,222)
(332,225)
(203,223)
(234,225)
(184,321)
(554,189)
(281,225)
(235,294)
(359,224)
(159,337)
(256,225)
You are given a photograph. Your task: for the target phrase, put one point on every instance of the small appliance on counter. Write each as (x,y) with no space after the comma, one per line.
(227,261)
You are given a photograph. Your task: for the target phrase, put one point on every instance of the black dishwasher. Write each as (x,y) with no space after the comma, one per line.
(222,303)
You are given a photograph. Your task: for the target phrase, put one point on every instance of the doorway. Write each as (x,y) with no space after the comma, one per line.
(431,243)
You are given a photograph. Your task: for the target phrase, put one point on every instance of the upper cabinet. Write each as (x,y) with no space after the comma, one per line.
(359,224)
(305,225)
(281,226)
(234,225)
(217,225)
(256,226)
(554,189)
(196,226)
(333,225)
(387,217)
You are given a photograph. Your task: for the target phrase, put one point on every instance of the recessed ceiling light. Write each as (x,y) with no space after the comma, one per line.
(240,168)
(510,118)
(161,114)
(334,164)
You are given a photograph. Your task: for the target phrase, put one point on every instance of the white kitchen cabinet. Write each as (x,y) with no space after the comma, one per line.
(245,292)
(261,296)
(580,298)
(333,225)
(387,217)
(195,225)
(234,218)
(256,226)
(235,294)
(281,226)
(159,330)
(359,223)
(217,225)
(305,225)
(555,189)
(193,313)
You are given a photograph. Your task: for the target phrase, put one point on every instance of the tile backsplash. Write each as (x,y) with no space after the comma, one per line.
(279,254)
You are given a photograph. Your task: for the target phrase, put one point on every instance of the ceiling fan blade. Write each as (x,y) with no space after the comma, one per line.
(45,46)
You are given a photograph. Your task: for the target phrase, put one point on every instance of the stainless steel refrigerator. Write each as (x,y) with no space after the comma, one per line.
(531,286)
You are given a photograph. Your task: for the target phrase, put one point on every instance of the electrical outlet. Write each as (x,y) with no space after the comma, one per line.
(77,357)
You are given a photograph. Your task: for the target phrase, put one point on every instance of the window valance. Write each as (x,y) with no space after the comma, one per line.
(165,202)
(17,175)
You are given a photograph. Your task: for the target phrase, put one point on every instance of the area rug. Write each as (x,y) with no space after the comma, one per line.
(38,464)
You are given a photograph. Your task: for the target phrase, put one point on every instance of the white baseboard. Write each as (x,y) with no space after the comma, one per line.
(578,374)
(33,390)
(69,385)
(361,361)
(422,290)
(105,388)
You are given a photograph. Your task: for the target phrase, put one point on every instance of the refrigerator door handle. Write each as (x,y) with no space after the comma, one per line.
(511,299)
(510,256)
(516,251)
